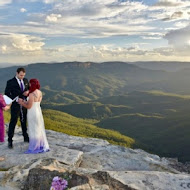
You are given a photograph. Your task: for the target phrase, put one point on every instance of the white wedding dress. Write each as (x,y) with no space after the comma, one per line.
(37,137)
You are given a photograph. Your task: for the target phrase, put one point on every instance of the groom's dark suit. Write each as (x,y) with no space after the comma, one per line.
(13,90)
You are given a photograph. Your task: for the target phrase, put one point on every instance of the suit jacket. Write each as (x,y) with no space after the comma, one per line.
(13,89)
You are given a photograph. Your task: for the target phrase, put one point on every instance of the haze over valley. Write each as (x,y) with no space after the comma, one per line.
(150,107)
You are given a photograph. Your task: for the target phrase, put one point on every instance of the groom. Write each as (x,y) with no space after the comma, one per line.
(17,86)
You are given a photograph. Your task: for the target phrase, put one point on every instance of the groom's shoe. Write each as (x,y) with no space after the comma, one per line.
(10,145)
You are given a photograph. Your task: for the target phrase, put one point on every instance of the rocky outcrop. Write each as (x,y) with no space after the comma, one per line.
(89,163)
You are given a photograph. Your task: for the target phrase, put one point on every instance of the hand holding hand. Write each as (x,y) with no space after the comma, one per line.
(26,93)
(20,101)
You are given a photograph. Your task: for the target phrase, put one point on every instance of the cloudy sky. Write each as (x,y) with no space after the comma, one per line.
(94,30)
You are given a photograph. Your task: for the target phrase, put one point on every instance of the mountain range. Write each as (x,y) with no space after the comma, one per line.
(150,106)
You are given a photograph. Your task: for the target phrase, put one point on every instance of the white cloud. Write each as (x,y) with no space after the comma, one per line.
(151,38)
(82,19)
(22,10)
(179,40)
(104,52)
(3,49)
(95,18)
(169,3)
(89,19)
(5,2)
(98,9)
(169,10)
(53,17)
(49,1)
(174,16)
(181,24)
(44,1)
(12,43)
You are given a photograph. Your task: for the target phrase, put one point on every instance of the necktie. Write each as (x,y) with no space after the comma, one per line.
(21,86)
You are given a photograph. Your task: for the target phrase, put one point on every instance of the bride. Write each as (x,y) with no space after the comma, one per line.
(38,142)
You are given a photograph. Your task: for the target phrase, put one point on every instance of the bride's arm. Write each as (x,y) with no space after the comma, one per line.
(27,104)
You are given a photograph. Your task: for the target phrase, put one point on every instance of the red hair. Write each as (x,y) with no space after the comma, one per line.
(34,84)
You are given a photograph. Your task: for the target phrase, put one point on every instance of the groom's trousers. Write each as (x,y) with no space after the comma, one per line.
(17,111)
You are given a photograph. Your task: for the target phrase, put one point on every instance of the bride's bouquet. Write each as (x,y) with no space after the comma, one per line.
(59,184)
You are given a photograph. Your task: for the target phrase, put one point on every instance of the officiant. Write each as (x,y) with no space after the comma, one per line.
(3,107)
(18,86)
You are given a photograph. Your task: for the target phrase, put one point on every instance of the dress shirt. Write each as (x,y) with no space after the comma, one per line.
(18,80)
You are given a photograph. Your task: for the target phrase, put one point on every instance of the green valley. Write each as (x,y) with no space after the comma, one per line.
(65,123)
